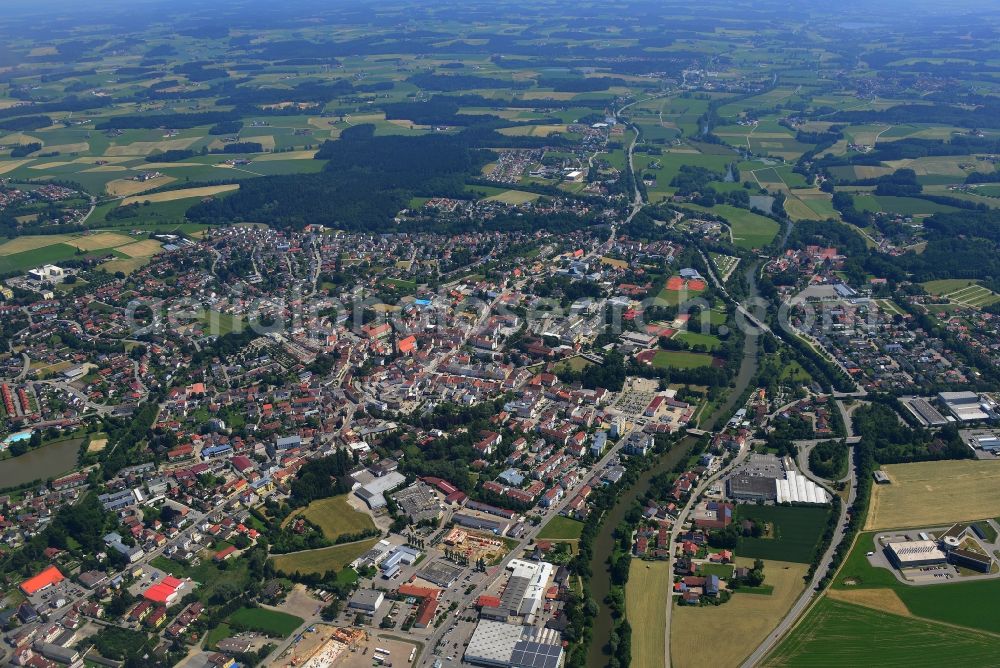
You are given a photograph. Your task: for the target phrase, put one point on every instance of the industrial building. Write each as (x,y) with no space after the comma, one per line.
(524,592)
(366,600)
(796,488)
(514,646)
(965,406)
(373,490)
(926,414)
(915,553)
(744,487)
(472,522)
(418,502)
(391,565)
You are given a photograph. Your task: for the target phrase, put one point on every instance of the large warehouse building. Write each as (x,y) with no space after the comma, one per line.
(915,553)
(514,646)
(965,406)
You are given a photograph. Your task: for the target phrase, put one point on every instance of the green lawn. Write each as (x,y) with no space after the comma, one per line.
(724,571)
(220,632)
(835,634)
(324,559)
(561,528)
(796,532)
(680,359)
(273,623)
(335,517)
(408,287)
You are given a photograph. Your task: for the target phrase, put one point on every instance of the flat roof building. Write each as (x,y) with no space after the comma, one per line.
(366,600)
(514,646)
(915,553)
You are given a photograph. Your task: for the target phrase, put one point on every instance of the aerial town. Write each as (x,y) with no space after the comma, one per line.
(448,334)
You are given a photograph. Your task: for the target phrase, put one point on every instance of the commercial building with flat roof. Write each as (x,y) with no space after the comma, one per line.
(367,600)
(514,646)
(915,553)
(744,487)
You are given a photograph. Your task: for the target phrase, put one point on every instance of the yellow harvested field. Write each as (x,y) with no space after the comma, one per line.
(797,210)
(169,165)
(27,243)
(532,130)
(287,155)
(125,187)
(409,125)
(145,248)
(183,193)
(618,264)
(357,119)
(43,51)
(79,147)
(47,165)
(266,141)
(746,618)
(125,265)
(934,493)
(20,138)
(547,95)
(107,168)
(947,166)
(100,240)
(97,445)
(877,599)
(11,165)
(646,596)
(112,160)
(144,148)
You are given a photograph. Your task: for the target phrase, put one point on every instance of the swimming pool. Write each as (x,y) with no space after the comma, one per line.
(19,436)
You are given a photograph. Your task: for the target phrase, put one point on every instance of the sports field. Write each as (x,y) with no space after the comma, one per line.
(334,558)
(645,604)
(709,341)
(680,359)
(837,634)
(271,622)
(933,493)
(335,517)
(794,532)
(744,621)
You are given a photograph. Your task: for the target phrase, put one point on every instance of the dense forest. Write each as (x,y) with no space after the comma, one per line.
(394,168)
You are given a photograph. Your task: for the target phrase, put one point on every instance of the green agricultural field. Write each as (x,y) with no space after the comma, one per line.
(37,257)
(561,528)
(907,206)
(750,230)
(835,634)
(335,517)
(319,561)
(681,359)
(271,622)
(794,532)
